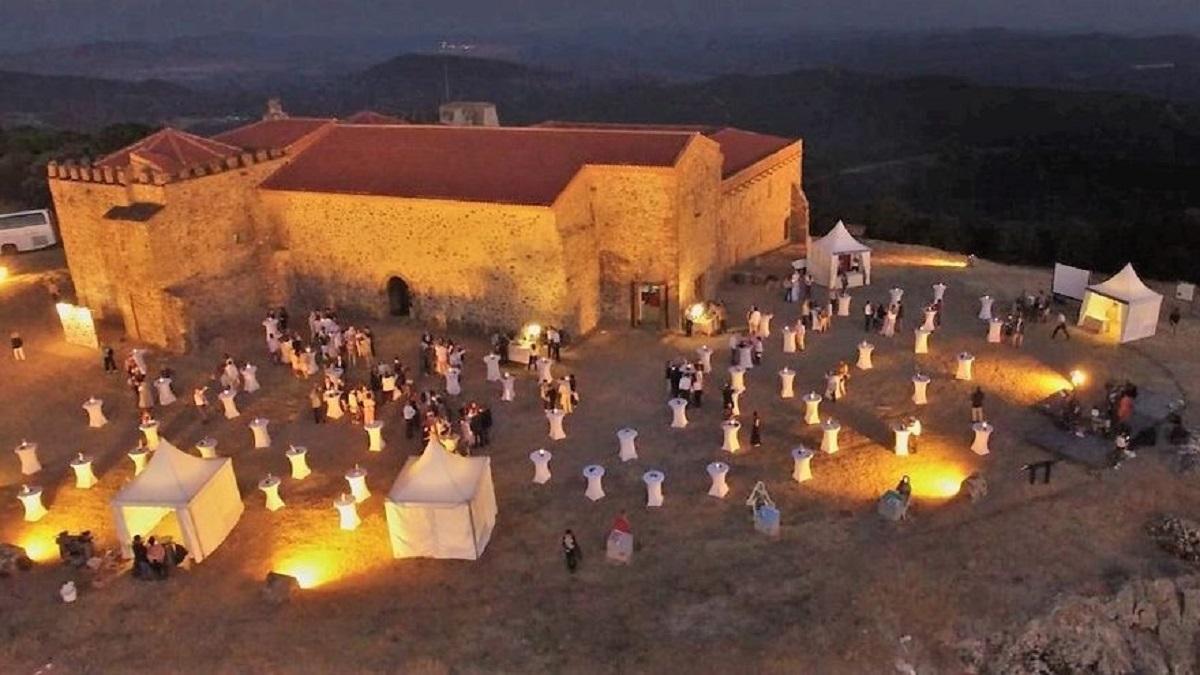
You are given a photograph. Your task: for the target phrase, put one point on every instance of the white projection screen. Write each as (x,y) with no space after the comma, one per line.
(1070,282)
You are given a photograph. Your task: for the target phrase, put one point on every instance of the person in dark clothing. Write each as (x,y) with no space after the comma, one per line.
(756,430)
(1033,468)
(485,426)
(1174,319)
(673,377)
(1060,326)
(141,564)
(727,395)
(904,487)
(868,317)
(110,360)
(317,401)
(571,551)
(977,405)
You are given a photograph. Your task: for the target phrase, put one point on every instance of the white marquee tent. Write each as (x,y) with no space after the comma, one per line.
(1123,306)
(442,505)
(201,493)
(836,253)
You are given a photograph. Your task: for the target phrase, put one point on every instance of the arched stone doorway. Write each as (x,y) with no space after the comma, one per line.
(399,298)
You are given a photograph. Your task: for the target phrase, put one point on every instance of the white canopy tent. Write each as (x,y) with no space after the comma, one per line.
(201,493)
(1123,306)
(839,253)
(442,505)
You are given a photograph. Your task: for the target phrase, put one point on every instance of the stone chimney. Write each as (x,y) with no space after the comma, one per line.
(275,110)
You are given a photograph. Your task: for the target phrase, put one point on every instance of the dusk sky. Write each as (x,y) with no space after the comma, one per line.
(67,21)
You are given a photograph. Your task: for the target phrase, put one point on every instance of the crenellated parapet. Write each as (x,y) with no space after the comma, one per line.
(84,171)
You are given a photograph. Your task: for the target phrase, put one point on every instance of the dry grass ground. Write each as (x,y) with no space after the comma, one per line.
(834,594)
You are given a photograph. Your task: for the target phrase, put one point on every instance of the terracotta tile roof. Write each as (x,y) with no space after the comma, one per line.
(509,165)
(169,151)
(272,134)
(372,117)
(741,148)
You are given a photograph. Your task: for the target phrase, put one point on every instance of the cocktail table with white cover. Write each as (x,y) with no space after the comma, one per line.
(939,291)
(994,327)
(250,378)
(717,471)
(654,492)
(492,363)
(626,440)
(228,399)
(150,431)
(930,319)
(801,464)
(375,442)
(555,417)
(737,378)
(138,456)
(27,453)
(207,447)
(258,427)
(829,436)
(787,377)
(333,405)
(843,305)
(920,386)
(678,408)
(30,497)
(789,339)
(812,405)
(270,489)
(85,478)
(162,390)
(95,412)
(764,325)
(901,431)
(541,465)
(507,387)
(921,341)
(896,294)
(965,363)
(347,508)
(453,386)
(864,355)
(357,479)
(985,308)
(983,432)
(594,473)
(730,430)
(545,369)
(705,354)
(298,457)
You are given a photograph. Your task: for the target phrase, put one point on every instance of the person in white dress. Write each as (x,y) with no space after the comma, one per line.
(753,320)
(889,322)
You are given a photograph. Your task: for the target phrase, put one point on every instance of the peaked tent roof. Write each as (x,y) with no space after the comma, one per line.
(170,150)
(505,165)
(171,477)
(438,477)
(1124,285)
(272,134)
(839,240)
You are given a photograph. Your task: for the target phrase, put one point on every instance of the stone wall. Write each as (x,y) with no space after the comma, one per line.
(634,212)
(577,228)
(699,208)
(487,265)
(756,208)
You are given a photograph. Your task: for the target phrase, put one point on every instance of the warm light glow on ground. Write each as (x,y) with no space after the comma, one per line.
(3,274)
(311,568)
(921,260)
(39,546)
(1078,378)
(532,331)
(937,481)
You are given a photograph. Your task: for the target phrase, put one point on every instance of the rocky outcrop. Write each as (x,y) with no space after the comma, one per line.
(1149,626)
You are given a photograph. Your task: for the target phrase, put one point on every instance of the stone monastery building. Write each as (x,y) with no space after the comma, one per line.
(569,224)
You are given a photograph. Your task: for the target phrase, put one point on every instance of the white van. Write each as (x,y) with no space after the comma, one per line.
(26,231)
